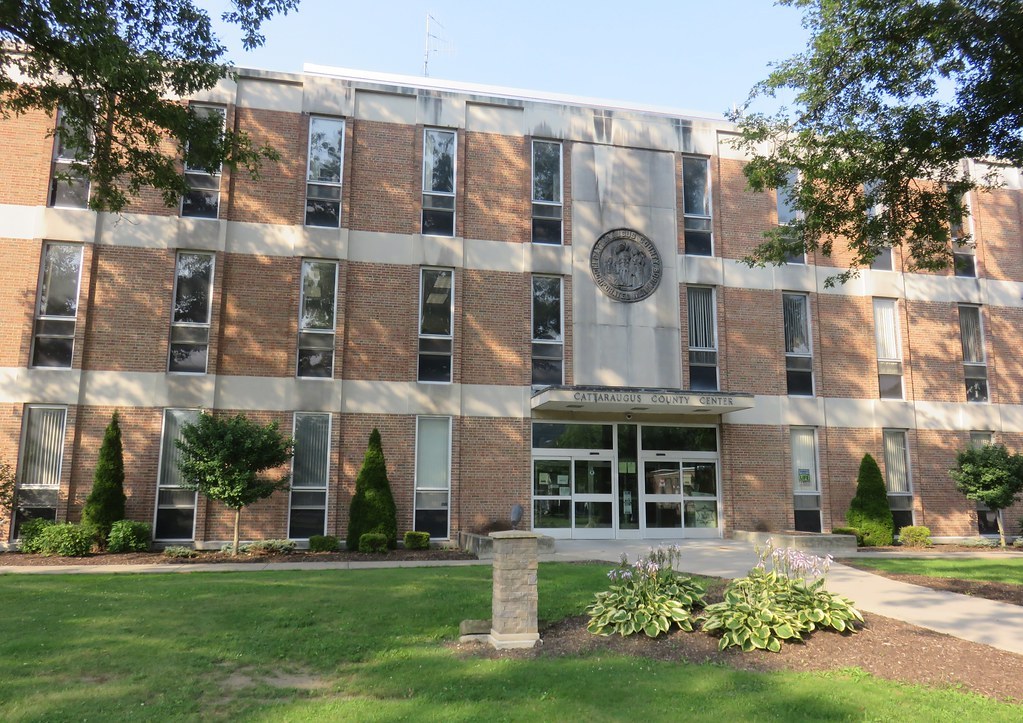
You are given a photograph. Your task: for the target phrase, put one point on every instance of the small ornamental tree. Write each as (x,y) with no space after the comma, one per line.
(7,492)
(105,504)
(869,511)
(223,457)
(372,507)
(990,475)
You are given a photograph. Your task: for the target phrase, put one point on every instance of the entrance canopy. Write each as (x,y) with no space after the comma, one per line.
(637,400)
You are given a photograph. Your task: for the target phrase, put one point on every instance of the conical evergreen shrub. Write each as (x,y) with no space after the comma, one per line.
(869,511)
(105,504)
(373,508)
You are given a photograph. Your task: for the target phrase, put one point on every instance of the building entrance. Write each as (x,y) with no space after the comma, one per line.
(608,481)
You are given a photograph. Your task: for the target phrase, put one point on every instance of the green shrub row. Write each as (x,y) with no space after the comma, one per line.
(129,536)
(417,540)
(373,542)
(324,543)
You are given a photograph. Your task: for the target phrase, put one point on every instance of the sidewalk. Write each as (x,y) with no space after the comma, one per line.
(997,624)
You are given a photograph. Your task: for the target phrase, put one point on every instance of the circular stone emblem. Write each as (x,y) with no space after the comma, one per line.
(625,265)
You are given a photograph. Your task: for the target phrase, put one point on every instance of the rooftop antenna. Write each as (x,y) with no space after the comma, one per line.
(431,37)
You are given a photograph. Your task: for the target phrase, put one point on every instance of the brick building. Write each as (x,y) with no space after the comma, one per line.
(537,300)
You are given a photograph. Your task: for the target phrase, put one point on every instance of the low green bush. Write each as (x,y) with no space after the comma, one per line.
(29,534)
(66,540)
(646,596)
(767,607)
(324,543)
(129,536)
(979,542)
(417,540)
(1018,542)
(849,531)
(176,551)
(269,547)
(915,536)
(373,542)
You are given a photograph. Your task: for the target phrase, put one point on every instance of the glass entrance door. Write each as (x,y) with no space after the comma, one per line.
(679,497)
(593,498)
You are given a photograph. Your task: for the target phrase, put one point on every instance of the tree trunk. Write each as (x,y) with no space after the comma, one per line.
(237,516)
(1001,528)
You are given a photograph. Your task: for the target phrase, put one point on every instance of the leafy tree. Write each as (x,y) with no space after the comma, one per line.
(869,511)
(222,458)
(105,504)
(8,490)
(991,475)
(891,95)
(372,508)
(109,65)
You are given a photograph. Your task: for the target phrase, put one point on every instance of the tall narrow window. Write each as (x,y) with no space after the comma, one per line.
(703,340)
(889,348)
(42,453)
(897,477)
(317,319)
(964,252)
(435,324)
(696,206)
(323,178)
(310,469)
(439,182)
(788,214)
(175,505)
(203,198)
(57,306)
(798,350)
(806,486)
(190,323)
(871,192)
(547,207)
(69,186)
(548,342)
(974,365)
(433,475)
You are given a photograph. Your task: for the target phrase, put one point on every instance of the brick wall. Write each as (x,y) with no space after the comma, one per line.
(25,155)
(495,327)
(491,483)
(385,180)
(754,359)
(497,187)
(278,194)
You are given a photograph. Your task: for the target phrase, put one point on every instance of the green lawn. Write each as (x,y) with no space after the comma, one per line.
(368,645)
(1009,570)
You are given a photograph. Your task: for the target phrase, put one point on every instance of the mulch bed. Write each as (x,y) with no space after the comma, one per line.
(158,558)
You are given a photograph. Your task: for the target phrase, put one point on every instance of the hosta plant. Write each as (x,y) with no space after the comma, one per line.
(646,596)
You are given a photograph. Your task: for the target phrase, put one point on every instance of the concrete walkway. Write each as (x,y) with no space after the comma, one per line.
(997,624)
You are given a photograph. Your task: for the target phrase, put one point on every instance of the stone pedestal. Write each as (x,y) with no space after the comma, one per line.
(514,623)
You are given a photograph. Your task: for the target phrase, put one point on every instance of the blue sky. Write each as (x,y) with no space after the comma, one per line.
(697,56)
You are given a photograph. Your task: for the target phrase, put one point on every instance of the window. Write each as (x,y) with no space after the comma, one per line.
(433,479)
(175,505)
(806,486)
(703,343)
(323,179)
(53,341)
(696,206)
(889,348)
(897,478)
(975,367)
(317,318)
(190,323)
(871,192)
(964,252)
(548,343)
(310,469)
(438,182)
(42,453)
(203,200)
(69,186)
(798,350)
(547,208)
(788,214)
(987,519)
(435,337)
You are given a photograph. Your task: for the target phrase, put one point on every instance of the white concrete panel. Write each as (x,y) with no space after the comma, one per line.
(766,410)
(502,119)
(706,270)
(223,93)
(1001,293)
(883,283)
(547,259)
(385,107)
(484,400)
(43,386)
(795,277)
(803,411)
(207,234)
(69,224)
(364,397)
(702,139)
(739,275)
(268,94)
(635,131)
(727,146)
(20,221)
(327,97)
(1011,418)
(966,291)
(147,389)
(926,287)
(380,248)
(278,394)
(548,120)
(495,255)
(138,230)
(438,251)
(324,243)
(441,111)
